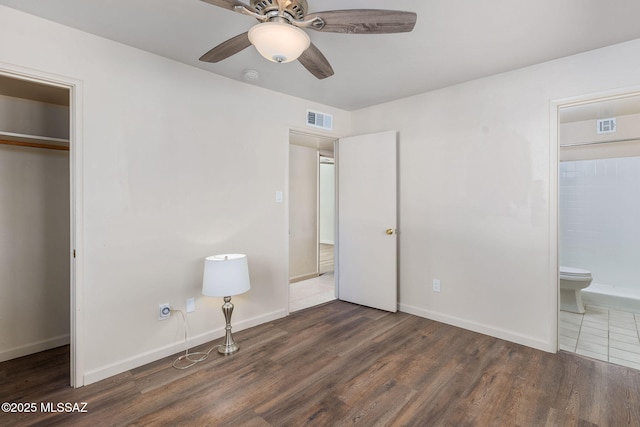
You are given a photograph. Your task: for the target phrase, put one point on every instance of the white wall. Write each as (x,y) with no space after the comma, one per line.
(303,212)
(476,168)
(600,219)
(172,173)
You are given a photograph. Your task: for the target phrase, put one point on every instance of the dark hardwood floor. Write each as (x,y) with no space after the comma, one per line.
(341,364)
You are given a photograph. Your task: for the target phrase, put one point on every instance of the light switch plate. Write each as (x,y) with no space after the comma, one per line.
(191,305)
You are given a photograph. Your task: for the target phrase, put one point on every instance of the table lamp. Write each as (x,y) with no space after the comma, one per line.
(224,276)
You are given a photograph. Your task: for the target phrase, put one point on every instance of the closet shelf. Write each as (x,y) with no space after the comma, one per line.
(35,141)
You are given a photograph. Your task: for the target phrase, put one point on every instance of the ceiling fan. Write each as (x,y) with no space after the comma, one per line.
(279,36)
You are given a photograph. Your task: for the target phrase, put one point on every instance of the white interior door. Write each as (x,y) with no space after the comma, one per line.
(367,220)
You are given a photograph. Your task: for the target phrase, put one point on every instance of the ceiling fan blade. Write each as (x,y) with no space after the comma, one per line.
(228,48)
(228,4)
(365,21)
(315,62)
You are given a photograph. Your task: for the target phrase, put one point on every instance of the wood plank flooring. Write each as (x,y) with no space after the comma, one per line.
(341,364)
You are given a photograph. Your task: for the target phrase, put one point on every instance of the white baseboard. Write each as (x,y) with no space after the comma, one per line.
(480,328)
(35,347)
(159,353)
(303,277)
(610,297)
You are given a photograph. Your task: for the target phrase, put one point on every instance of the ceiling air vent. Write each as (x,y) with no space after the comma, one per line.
(606,125)
(319,120)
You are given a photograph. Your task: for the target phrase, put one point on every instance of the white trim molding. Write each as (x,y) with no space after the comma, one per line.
(528,341)
(174,348)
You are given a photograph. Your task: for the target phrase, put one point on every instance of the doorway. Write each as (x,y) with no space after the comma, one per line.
(312,212)
(41,118)
(598,168)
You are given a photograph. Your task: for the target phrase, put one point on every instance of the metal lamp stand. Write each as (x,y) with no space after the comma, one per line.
(229,345)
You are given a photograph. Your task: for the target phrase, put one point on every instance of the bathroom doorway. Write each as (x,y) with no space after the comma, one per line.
(312,211)
(598,234)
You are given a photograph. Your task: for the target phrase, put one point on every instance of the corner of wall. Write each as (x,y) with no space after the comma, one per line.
(511,336)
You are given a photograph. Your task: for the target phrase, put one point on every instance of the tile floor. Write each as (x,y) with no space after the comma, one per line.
(604,334)
(309,293)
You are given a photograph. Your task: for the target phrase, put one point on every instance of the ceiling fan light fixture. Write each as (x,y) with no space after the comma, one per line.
(278,41)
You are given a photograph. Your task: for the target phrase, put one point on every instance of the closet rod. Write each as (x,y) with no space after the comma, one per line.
(35,145)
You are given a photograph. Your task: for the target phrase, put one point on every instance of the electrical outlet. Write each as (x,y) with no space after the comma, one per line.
(436,285)
(165,311)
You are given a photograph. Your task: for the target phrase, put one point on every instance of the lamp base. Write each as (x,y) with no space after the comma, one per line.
(229,346)
(228,349)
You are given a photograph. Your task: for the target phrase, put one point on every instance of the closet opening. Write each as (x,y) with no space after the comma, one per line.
(35,217)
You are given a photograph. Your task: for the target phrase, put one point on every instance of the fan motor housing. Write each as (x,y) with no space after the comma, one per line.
(297,9)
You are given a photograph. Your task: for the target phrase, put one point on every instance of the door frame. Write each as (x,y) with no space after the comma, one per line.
(76,212)
(554,187)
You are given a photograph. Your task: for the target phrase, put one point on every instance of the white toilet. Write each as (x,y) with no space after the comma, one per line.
(572,281)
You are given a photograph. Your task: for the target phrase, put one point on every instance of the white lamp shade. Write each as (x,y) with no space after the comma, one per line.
(279,42)
(225,275)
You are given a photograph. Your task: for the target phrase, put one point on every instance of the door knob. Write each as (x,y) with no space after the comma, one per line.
(389,231)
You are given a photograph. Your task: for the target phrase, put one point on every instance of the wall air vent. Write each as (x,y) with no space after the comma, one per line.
(319,120)
(606,125)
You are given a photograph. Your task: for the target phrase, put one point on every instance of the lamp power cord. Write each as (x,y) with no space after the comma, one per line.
(188,359)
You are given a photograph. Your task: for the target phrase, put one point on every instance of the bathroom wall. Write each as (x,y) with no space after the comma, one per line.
(580,141)
(599,211)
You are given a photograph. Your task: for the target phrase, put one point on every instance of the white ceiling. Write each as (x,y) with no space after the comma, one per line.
(453,41)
